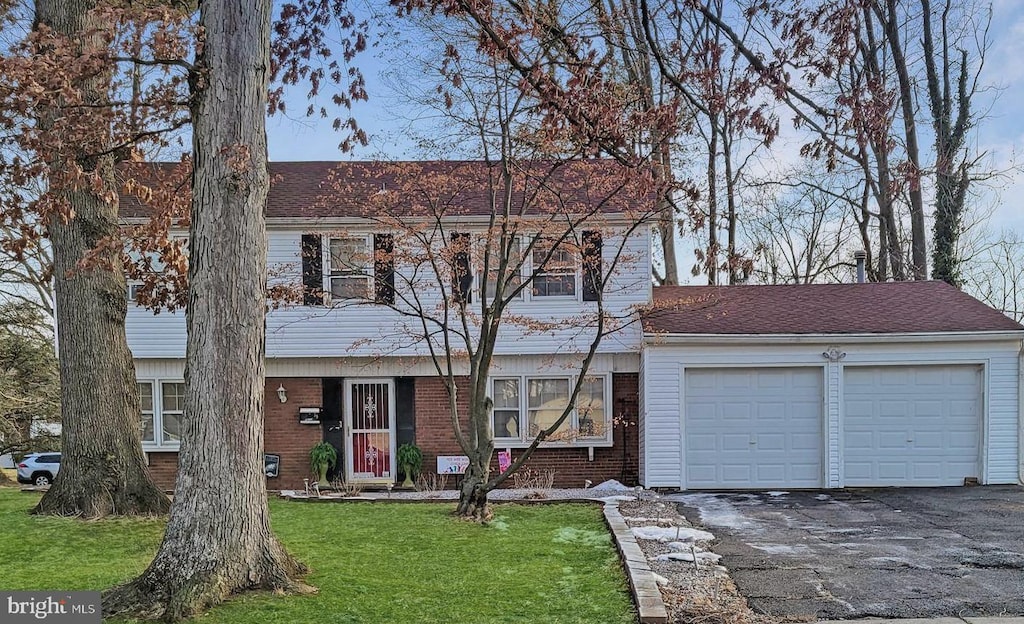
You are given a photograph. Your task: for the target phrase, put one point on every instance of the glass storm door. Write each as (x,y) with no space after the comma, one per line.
(370,427)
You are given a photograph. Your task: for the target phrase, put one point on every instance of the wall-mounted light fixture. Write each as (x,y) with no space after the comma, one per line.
(282,394)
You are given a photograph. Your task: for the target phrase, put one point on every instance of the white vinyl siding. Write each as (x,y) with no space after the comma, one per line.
(375,331)
(664,366)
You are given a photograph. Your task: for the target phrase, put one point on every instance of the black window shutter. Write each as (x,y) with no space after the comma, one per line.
(593,269)
(462,275)
(312,270)
(384,268)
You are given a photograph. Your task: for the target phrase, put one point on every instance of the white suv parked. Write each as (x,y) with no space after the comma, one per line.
(39,468)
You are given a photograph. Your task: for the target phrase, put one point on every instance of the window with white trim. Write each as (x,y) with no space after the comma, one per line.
(558,276)
(350,273)
(133,290)
(514,267)
(526,405)
(146,412)
(172,408)
(161,408)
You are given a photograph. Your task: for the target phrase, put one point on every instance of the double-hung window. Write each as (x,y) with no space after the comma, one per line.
(513,254)
(172,408)
(350,267)
(555,270)
(526,405)
(161,408)
(146,409)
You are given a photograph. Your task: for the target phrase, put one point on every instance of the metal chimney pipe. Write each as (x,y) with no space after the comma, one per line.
(861,257)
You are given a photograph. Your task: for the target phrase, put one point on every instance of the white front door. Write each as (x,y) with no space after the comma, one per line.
(370,430)
(911,425)
(748,428)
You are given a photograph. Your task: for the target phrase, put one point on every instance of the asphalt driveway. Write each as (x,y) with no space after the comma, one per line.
(871,553)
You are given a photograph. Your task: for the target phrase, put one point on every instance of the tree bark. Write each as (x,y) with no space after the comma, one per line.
(218,540)
(918,245)
(103,469)
(473,493)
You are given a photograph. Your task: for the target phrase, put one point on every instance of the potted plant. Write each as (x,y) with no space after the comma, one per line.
(322,457)
(410,461)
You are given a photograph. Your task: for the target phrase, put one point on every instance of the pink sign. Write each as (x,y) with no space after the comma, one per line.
(504,460)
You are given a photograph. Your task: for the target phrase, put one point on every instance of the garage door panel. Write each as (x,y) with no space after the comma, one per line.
(911,425)
(771,411)
(767,379)
(736,411)
(766,426)
(698,442)
(805,442)
(735,442)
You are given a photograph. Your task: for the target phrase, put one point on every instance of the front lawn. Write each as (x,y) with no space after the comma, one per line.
(379,562)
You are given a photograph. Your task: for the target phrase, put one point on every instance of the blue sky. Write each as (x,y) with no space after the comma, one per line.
(1001,134)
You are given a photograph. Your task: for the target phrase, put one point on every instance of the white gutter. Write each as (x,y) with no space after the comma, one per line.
(655,339)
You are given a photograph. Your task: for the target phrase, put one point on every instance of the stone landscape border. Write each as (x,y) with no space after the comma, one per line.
(650,605)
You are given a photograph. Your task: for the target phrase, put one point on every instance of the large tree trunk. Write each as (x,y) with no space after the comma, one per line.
(103,470)
(473,503)
(218,540)
(918,244)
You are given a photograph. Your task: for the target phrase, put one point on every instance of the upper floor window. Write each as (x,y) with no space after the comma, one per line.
(555,270)
(513,271)
(350,267)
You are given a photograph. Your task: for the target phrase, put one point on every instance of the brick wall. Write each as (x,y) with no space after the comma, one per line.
(292,441)
(572,466)
(284,435)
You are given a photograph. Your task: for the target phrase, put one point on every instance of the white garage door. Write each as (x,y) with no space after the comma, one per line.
(911,425)
(753,428)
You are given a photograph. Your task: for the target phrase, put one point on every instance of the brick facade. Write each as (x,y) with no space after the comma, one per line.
(572,466)
(292,441)
(284,435)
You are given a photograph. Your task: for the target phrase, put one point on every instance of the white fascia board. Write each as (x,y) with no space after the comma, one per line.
(654,340)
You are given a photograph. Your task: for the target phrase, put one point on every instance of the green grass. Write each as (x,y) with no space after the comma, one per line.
(380,562)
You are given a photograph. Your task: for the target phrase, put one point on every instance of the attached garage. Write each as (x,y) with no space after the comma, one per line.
(912,425)
(828,386)
(753,427)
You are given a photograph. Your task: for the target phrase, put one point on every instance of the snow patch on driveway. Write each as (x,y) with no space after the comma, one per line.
(717,510)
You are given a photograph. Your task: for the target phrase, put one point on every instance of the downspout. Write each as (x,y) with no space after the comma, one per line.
(1020,415)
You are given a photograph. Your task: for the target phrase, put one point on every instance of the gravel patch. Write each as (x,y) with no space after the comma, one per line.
(695,588)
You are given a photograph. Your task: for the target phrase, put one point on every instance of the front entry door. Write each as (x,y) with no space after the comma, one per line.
(370,430)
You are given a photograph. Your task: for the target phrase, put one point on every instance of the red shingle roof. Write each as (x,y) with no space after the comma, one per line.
(894,307)
(353,189)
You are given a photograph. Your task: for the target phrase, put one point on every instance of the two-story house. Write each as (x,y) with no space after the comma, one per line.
(349,363)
